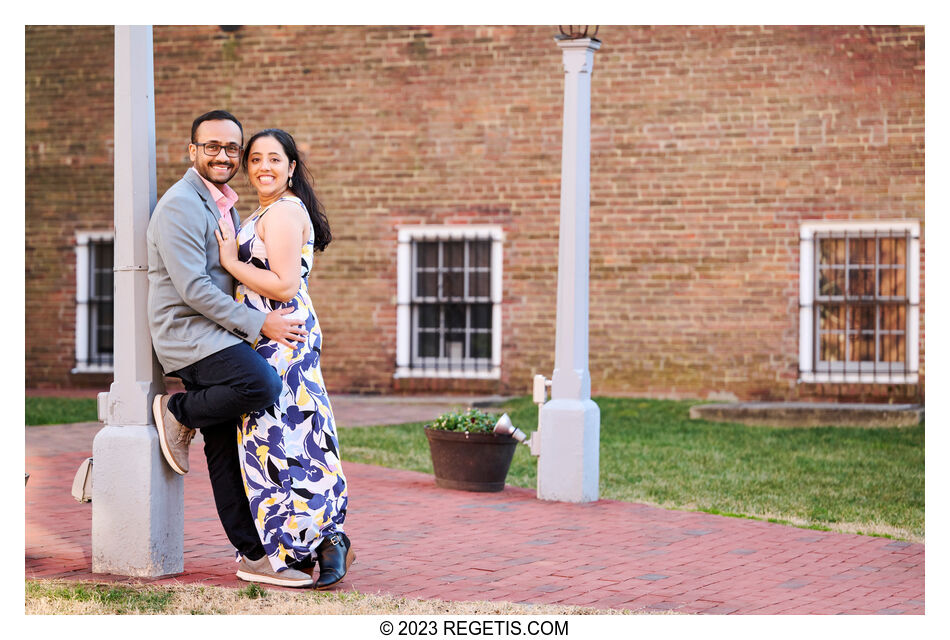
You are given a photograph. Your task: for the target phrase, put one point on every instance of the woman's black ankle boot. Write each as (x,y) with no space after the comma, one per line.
(334,556)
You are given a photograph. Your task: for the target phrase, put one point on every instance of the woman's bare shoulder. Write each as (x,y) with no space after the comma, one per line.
(286,210)
(283,216)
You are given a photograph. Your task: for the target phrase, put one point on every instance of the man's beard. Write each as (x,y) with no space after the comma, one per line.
(213,180)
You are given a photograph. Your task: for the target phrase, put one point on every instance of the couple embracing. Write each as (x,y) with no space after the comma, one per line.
(249,356)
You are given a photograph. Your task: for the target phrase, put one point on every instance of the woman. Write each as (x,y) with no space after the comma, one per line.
(290,455)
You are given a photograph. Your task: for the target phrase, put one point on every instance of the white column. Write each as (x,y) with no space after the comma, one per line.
(138,501)
(569,430)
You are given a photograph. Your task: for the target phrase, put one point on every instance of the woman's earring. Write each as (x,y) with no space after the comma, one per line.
(290,182)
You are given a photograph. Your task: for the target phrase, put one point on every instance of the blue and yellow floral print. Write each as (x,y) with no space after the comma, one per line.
(290,456)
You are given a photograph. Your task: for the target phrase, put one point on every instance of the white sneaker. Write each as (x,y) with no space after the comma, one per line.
(261,571)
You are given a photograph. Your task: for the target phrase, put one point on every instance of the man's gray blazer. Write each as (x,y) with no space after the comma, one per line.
(191,308)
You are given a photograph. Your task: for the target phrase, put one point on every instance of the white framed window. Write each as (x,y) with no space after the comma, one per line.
(859,286)
(94,300)
(448,316)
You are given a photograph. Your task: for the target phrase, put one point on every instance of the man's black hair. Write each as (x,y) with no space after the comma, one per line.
(214,115)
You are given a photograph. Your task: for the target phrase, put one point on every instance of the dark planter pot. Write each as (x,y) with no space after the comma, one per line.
(470,461)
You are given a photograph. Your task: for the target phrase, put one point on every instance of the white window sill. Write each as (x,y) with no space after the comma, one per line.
(490,374)
(855,377)
(93,368)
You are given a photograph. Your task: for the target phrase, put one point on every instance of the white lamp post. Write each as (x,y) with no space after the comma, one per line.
(138,501)
(569,429)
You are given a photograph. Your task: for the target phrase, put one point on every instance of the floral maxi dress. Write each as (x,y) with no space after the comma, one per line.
(290,458)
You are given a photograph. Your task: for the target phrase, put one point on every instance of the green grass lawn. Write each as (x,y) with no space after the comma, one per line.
(60,410)
(847,479)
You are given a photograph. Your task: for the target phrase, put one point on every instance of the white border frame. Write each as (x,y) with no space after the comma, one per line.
(409,234)
(806,284)
(83,238)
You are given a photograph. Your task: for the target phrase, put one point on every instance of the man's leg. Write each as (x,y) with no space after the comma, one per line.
(224,471)
(219,389)
(225,385)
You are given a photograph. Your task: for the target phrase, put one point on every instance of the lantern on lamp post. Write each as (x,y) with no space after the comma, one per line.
(577,32)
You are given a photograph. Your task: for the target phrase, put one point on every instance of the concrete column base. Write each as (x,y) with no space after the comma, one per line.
(138,514)
(569,464)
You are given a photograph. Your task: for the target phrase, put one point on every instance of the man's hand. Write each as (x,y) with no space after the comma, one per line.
(281,329)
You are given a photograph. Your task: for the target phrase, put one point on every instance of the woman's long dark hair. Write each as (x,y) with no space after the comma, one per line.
(303,184)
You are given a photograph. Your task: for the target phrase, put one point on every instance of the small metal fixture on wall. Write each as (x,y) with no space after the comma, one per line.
(229,28)
(577,32)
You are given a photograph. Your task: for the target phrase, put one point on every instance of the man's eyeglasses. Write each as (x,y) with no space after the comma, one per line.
(213,148)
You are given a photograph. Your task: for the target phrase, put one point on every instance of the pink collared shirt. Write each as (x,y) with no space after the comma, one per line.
(225,198)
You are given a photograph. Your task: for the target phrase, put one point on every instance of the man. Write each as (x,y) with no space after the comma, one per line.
(201,335)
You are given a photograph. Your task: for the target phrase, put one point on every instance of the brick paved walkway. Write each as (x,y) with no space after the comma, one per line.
(418,541)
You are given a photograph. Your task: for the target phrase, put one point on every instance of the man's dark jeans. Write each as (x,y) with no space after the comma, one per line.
(218,390)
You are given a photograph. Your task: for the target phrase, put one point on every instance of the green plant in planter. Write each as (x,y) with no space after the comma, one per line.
(471,421)
(467,454)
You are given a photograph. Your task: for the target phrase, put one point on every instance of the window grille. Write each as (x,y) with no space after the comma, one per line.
(94,303)
(863,313)
(452,304)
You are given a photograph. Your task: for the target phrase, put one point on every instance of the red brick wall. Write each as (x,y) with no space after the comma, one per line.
(69,136)
(710,146)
